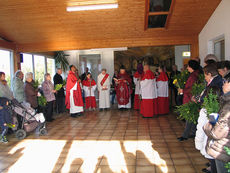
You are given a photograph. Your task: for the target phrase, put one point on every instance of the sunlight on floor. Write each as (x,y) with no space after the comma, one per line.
(37,155)
(43,155)
(146,147)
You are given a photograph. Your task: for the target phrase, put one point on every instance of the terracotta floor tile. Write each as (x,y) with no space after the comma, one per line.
(145,169)
(185,168)
(135,145)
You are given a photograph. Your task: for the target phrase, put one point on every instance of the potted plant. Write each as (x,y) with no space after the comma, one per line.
(61,60)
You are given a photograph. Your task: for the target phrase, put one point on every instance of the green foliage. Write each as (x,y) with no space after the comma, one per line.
(58,87)
(35,84)
(180,79)
(199,86)
(189,112)
(64,82)
(61,60)
(227,165)
(211,103)
(8,79)
(197,89)
(42,101)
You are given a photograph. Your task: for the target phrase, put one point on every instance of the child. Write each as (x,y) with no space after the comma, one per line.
(89,86)
(5,118)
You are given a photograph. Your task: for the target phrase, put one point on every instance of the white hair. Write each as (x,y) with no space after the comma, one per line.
(29,75)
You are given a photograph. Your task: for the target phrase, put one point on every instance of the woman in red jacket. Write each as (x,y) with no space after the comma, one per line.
(193,68)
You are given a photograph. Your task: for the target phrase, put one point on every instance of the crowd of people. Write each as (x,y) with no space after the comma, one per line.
(151,97)
(211,134)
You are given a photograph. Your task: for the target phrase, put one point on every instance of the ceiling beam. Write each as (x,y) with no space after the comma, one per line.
(7,45)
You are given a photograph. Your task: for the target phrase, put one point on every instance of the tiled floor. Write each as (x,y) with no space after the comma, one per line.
(104,142)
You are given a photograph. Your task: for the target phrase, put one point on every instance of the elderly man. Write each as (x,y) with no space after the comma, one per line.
(73,99)
(60,95)
(18,86)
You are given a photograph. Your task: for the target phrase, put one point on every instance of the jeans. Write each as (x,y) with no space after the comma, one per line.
(220,166)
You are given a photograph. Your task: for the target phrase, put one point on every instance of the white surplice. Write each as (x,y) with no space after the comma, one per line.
(104,95)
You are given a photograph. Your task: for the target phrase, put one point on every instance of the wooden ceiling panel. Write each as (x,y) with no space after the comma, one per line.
(35,22)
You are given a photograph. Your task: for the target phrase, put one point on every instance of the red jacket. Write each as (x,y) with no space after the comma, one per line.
(193,77)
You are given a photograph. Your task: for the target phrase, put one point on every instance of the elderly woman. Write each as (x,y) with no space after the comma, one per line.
(4,88)
(193,68)
(30,92)
(48,91)
(18,86)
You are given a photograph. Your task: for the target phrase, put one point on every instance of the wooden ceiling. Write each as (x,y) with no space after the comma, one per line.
(45,25)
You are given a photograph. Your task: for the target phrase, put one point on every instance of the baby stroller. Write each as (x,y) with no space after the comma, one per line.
(27,120)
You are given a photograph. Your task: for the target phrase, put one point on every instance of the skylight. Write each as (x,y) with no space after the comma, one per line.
(157,13)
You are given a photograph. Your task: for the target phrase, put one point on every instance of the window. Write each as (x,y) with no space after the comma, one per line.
(51,66)
(27,63)
(219,49)
(7,65)
(157,13)
(38,65)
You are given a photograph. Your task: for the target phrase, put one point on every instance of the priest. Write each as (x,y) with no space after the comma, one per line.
(148,93)
(162,92)
(123,89)
(103,85)
(137,79)
(74,101)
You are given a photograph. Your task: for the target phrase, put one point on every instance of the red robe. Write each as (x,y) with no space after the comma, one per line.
(149,95)
(162,90)
(77,96)
(123,89)
(90,100)
(137,76)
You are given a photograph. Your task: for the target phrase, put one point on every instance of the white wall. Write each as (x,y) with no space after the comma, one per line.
(179,55)
(107,57)
(218,26)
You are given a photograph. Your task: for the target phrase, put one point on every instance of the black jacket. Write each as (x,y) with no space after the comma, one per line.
(58,80)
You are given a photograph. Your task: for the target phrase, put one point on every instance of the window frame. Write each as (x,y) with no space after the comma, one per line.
(148,13)
(45,60)
(12,67)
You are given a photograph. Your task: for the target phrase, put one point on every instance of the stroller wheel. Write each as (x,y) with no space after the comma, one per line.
(43,131)
(20,134)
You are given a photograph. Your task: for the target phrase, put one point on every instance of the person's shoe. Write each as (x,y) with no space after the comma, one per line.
(192,136)
(4,140)
(208,164)
(205,170)
(101,109)
(73,115)
(182,139)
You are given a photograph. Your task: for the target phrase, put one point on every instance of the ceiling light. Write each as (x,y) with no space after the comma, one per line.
(92,7)
(186,54)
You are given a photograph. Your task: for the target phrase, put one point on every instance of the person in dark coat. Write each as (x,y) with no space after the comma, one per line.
(30,92)
(172,86)
(5,118)
(212,78)
(193,68)
(224,69)
(60,95)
